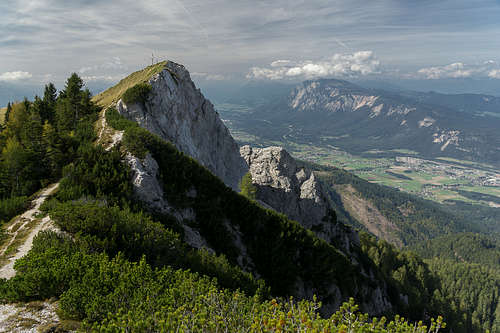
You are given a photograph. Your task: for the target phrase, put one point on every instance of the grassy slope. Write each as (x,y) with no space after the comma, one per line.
(2,115)
(113,94)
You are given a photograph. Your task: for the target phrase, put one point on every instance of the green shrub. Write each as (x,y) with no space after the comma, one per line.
(248,189)
(137,94)
(116,295)
(113,230)
(95,172)
(117,121)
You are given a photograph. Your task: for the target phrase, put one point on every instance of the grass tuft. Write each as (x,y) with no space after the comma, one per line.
(113,94)
(2,115)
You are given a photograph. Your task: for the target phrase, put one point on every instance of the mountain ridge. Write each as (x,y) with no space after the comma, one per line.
(146,168)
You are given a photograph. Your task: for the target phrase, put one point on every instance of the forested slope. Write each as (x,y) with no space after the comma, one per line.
(415,219)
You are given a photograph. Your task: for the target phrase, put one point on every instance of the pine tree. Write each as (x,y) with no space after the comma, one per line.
(7,113)
(54,156)
(13,161)
(49,103)
(248,189)
(73,104)
(18,116)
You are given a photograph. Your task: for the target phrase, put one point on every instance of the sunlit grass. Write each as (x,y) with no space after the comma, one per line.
(2,115)
(113,94)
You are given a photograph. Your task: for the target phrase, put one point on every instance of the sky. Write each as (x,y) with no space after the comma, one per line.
(236,40)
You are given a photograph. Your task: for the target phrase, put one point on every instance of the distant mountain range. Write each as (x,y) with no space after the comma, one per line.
(356,119)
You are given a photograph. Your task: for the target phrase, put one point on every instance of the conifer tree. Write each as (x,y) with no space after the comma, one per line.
(54,156)
(7,113)
(73,104)
(13,161)
(49,103)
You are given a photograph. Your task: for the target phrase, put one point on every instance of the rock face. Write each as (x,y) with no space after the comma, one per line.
(178,112)
(147,188)
(294,191)
(342,96)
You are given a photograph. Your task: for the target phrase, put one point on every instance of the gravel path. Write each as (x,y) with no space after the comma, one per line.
(7,271)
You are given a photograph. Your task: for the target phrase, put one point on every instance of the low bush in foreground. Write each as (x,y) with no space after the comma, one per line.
(116,295)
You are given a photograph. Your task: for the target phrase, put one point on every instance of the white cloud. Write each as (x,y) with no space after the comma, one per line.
(457,70)
(209,77)
(15,76)
(339,65)
(494,74)
(279,63)
(107,78)
(114,63)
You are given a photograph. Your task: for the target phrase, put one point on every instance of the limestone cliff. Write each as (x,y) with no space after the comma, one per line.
(294,191)
(178,112)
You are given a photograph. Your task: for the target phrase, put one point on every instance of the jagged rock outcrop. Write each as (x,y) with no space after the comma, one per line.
(294,191)
(147,188)
(178,112)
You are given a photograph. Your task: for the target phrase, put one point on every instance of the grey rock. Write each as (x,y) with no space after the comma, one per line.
(145,181)
(294,191)
(178,112)
(148,189)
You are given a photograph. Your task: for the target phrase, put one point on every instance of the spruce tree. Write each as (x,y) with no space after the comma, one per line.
(7,113)
(49,103)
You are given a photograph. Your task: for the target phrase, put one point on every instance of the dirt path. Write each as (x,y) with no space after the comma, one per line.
(27,219)
(30,317)
(107,137)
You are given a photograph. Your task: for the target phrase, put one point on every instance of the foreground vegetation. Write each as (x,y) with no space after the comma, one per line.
(115,295)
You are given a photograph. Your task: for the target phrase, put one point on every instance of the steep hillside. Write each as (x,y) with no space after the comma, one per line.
(364,212)
(175,110)
(193,197)
(395,216)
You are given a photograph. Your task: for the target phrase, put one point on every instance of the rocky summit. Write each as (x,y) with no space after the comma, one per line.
(178,112)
